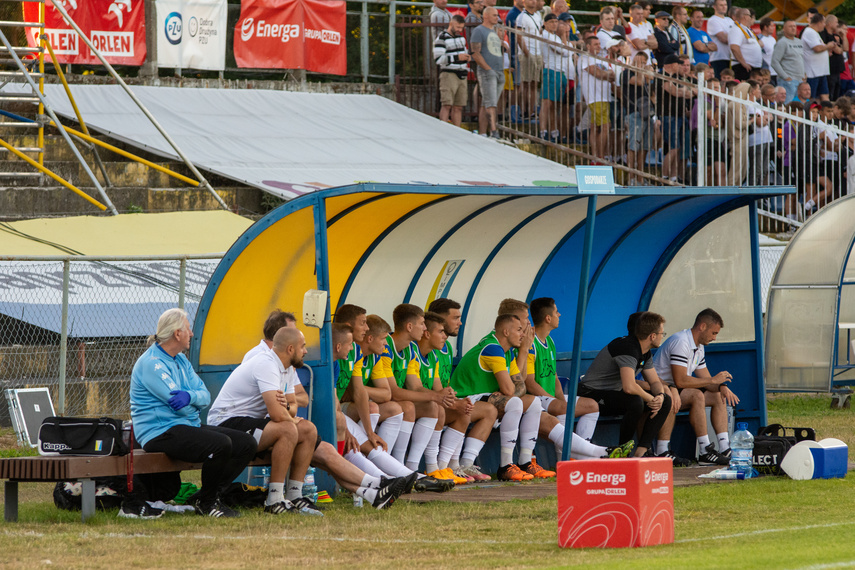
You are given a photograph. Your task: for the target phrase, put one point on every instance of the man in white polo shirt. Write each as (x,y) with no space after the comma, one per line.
(258,398)
(681,366)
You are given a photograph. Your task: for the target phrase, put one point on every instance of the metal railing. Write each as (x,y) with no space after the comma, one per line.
(77,324)
(658,128)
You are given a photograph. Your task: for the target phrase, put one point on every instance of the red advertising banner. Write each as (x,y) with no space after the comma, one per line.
(115,27)
(292,34)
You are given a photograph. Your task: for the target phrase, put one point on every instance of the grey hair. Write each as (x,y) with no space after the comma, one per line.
(170,321)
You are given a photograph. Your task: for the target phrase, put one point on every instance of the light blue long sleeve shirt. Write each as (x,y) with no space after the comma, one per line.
(155,375)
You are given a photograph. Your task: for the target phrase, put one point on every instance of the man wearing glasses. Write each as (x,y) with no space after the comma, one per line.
(610,380)
(681,365)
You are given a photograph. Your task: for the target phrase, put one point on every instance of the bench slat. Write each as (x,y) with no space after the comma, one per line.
(62,468)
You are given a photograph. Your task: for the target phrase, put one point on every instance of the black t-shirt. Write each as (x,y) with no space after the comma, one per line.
(836,63)
(635,98)
(668,105)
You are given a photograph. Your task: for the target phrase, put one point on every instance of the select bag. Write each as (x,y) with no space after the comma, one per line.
(81,436)
(772,443)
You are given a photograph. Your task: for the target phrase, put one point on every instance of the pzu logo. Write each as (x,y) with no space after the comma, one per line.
(173,28)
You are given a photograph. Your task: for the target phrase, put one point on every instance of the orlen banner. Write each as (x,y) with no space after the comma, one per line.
(191,34)
(115,27)
(292,34)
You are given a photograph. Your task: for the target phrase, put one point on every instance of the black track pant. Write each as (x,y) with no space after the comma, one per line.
(223,453)
(632,408)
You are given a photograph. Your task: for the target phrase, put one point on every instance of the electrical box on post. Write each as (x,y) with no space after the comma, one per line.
(314,308)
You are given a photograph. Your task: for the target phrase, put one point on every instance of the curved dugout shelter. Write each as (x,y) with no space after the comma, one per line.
(379,245)
(810,319)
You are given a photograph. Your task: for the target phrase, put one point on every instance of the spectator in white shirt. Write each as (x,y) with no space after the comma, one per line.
(718,27)
(640,34)
(554,82)
(529,58)
(767,40)
(746,53)
(595,80)
(607,29)
(815,53)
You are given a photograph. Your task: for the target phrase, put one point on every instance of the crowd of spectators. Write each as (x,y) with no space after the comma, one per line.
(595,87)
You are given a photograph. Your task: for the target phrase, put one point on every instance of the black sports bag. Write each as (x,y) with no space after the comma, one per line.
(81,436)
(772,443)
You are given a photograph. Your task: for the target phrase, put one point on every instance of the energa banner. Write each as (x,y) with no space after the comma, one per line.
(115,27)
(191,34)
(292,34)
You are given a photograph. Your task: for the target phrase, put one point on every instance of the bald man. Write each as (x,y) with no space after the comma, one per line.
(257,398)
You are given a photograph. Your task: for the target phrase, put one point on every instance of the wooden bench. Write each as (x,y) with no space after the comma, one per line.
(85,469)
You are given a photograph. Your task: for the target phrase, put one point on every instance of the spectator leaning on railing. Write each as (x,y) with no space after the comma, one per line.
(596,78)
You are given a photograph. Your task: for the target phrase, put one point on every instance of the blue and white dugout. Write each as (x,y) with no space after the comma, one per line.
(670,250)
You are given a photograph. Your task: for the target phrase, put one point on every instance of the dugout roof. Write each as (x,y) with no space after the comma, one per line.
(671,250)
(811,311)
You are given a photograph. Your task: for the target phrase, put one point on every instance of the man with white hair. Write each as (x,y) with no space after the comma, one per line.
(166,398)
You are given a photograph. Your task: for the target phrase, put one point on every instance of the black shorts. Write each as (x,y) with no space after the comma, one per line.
(249,425)
(246,424)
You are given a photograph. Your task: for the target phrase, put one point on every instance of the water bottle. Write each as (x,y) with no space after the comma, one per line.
(742,450)
(310,490)
(357,501)
(265,477)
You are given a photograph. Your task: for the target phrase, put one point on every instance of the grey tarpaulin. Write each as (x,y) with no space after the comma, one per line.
(290,144)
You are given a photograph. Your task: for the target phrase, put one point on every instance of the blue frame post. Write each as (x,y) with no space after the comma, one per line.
(759,341)
(581,307)
(323,409)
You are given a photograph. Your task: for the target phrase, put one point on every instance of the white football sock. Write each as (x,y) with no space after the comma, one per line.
(362,462)
(399,452)
(422,432)
(561,418)
(509,430)
(275,493)
(454,463)
(584,449)
(431,452)
(367,493)
(470,451)
(388,464)
(662,446)
(529,425)
(389,430)
(374,419)
(556,436)
(586,425)
(450,442)
(370,481)
(723,441)
(703,441)
(295,490)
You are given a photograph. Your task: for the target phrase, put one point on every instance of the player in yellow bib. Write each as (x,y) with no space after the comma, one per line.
(488,372)
(403,375)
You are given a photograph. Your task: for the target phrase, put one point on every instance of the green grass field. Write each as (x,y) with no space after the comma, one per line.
(762,523)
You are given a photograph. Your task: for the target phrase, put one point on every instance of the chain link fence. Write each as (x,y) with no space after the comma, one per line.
(77,325)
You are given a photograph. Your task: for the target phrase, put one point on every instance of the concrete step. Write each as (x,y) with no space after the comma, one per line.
(35,202)
(121,174)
